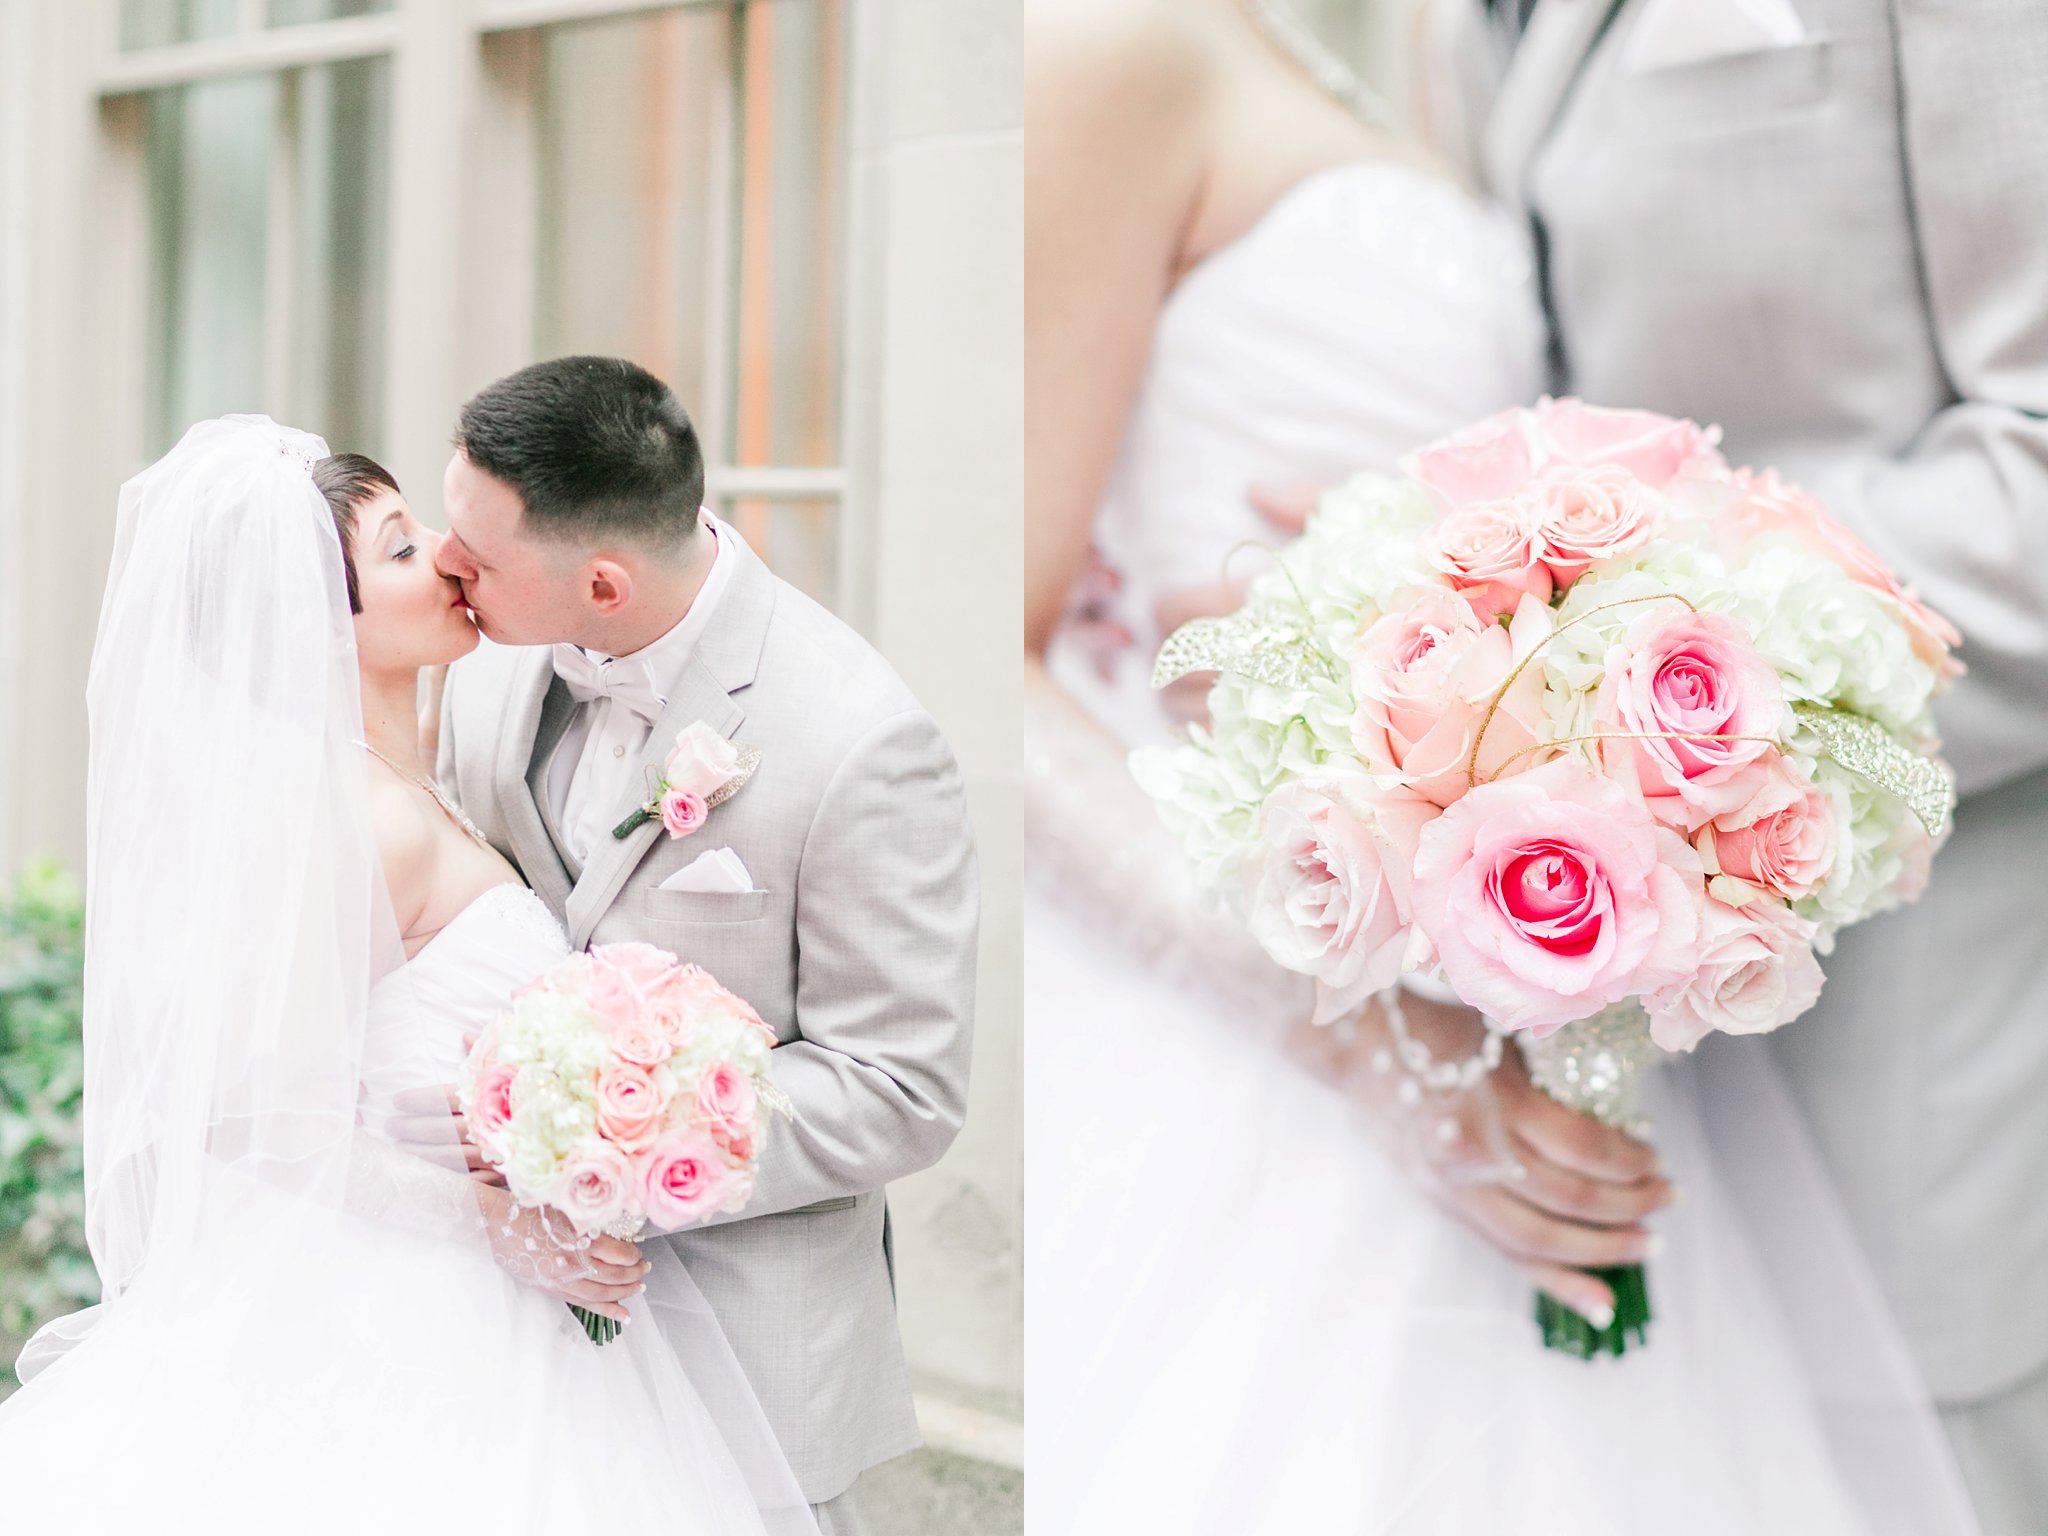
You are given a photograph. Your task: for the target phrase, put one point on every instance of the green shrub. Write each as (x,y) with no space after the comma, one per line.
(44,1267)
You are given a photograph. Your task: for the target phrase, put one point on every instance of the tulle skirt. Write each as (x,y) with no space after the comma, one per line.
(370,1380)
(1242,1320)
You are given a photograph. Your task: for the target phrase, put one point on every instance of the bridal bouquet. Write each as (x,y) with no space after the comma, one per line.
(1603,733)
(622,1088)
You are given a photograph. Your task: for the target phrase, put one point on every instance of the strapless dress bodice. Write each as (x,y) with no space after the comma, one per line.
(1372,308)
(422,1013)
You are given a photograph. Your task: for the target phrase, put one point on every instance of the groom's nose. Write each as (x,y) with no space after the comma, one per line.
(451,559)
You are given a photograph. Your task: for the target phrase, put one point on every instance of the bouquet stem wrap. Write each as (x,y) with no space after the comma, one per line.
(1595,1066)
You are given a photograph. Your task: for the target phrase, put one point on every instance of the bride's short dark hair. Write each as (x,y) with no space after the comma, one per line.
(348,480)
(596,447)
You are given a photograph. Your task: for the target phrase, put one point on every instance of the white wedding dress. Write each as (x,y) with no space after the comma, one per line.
(1242,1319)
(383,1379)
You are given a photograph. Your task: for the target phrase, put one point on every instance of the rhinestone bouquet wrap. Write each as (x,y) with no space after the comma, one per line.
(1606,735)
(622,1089)
(1596,1067)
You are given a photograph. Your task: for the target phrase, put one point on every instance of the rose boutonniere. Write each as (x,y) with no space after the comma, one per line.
(703,771)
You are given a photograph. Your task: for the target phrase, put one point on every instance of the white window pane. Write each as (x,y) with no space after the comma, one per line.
(336,385)
(798,538)
(226,225)
(628,142)
(792,239)
(209,155)
(291,13)
(159,23)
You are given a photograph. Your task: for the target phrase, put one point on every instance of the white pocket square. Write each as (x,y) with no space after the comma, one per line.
(717,871)
(1669,33)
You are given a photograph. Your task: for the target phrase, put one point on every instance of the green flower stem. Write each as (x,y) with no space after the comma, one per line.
(602,1330)
(1568,1332)
(627,827)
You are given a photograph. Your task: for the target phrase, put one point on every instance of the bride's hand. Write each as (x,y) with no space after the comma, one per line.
(537,1247)
(1555,1191)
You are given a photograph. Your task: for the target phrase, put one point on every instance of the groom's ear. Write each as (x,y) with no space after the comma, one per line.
(608,585)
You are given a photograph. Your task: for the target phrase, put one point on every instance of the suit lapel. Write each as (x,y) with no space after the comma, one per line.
(723,663)
(1546,64)
(533,694)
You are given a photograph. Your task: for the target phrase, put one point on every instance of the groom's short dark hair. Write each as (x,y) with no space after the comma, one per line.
(596,447)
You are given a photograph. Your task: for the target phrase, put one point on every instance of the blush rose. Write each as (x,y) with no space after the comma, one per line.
(1552,894)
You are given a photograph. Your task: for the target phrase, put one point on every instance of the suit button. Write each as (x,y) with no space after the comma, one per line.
(619,751)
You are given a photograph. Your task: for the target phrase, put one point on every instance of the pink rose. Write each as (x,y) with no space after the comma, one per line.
(701,761)
(1655,449)
(727,1100)
(594,1187)
(490,1106)
(1756,971)
(1487,461)
(642,1042)
(681,812)
(608,992)
(630,1105)
(647,967)
(1681,684)
(1488,550)
(1426,673)
(1772,504)
(685,1177)
(1588,515)
(1552,895)
(1781,840)
(1327,889)
(695,991)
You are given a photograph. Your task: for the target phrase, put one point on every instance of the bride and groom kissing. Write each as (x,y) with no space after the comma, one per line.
(594,613)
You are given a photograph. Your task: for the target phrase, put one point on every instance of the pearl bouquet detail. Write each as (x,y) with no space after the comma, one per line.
(1603,733)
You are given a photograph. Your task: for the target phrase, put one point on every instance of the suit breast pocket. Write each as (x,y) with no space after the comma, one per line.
(696,907)
(1727,95)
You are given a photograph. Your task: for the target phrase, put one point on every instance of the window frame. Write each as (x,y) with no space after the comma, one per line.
(455,319)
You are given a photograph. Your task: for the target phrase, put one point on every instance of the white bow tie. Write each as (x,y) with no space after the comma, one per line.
(630,682)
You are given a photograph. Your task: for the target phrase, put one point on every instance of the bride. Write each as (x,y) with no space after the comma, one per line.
(311,1319)
(1242,283)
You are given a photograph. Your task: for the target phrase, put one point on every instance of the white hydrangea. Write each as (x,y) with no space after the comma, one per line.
(1832,639)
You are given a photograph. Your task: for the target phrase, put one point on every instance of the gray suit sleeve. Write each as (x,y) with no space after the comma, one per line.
(1962,513)
(886,920)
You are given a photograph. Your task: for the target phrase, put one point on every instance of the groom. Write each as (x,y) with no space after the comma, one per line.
(1822,224)
(835,891)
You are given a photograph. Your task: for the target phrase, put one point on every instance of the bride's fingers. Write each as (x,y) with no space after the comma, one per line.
(425,1130)
(1597,1202)
(1568,1138)
(1524,1232)
(588,1293)
(1585,1294)
(439,1101)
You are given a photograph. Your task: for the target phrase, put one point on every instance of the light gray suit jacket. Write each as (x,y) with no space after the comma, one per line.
(857,946)
(1838,250)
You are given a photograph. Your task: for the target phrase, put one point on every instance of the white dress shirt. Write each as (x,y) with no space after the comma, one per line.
(601,749)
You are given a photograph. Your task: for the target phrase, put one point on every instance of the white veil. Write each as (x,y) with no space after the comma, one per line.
(234,915)
(274,1271)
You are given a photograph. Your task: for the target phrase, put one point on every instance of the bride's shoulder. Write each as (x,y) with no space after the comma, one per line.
(407,845)
(1150,57)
